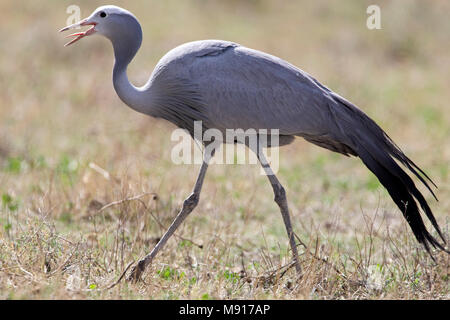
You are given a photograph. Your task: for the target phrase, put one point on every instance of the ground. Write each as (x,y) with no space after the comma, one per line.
(69,147)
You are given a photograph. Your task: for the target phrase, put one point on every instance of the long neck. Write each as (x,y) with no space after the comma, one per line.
(125,48)
(127,92)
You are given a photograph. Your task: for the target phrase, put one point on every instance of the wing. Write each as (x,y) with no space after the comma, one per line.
(229,86)
(245,88)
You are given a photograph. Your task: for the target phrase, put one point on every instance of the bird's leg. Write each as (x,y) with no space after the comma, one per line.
(188,205)
(281,200)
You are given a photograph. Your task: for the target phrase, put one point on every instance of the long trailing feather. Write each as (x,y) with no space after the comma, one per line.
(378,152)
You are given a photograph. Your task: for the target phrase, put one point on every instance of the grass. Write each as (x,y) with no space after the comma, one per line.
(68,147)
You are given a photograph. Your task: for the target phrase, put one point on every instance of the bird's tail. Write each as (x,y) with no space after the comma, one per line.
(378,152)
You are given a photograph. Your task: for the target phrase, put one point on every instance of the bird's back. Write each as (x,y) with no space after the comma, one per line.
(238,87)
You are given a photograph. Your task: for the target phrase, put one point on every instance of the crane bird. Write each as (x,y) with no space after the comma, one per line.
(226,85)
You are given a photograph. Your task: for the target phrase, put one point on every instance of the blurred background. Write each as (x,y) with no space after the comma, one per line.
(61,124)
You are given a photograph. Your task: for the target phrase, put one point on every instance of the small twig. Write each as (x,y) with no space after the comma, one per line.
(114,203)
(25,271)
(121,276)
(100,170)
(138,197)
(64,239)
(65,261)
(319,259)
(286,270)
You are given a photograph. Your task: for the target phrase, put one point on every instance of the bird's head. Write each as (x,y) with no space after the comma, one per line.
(115,23)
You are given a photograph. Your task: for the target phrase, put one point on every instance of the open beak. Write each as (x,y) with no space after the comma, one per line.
(79,35)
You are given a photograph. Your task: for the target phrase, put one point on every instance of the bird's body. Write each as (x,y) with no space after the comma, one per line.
(228,86)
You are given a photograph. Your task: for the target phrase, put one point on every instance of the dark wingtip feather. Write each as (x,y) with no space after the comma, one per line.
(403,191)
(379,152)
(396,152)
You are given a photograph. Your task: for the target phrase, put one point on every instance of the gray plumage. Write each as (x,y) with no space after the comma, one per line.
(229,86)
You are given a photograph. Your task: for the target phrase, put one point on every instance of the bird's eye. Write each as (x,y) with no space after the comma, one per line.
(103,14)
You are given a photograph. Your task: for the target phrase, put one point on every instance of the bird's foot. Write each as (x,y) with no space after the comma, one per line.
(136,272)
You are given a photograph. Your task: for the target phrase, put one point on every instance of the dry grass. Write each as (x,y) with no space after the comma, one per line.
(61,121)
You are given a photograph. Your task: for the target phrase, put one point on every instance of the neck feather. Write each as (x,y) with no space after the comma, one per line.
(127,92)
(125,48)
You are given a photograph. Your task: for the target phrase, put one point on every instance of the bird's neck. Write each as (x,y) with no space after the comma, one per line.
(127,92)
(135,97)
